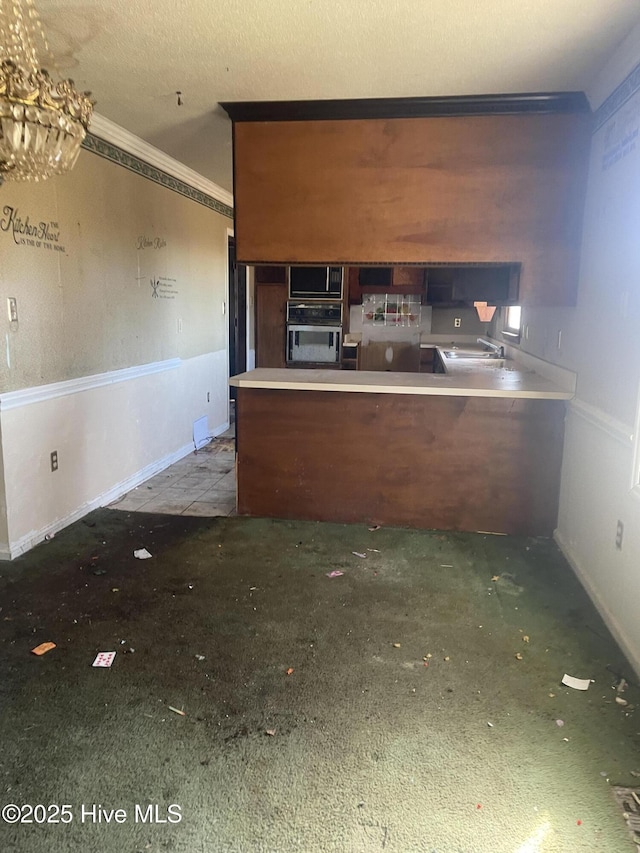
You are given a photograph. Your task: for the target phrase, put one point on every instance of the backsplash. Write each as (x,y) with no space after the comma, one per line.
(443,322)
(374,332)
(433,321)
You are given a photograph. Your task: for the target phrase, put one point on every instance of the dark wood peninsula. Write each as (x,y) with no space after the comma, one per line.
(476,450)
(411,184)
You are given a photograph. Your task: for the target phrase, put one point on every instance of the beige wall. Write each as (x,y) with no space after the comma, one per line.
(97,367)
(89,308)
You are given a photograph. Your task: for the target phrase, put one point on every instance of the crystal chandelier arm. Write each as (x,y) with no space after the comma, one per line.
(42,122)
(18,37)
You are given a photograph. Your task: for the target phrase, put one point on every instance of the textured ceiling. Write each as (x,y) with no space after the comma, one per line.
(133,56)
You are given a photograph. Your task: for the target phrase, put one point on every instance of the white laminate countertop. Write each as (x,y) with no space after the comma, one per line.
(464,378)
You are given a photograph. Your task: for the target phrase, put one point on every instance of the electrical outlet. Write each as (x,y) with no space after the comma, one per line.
(619,533)
(208,396)
(457,322)
(179,324)
(559,338)
(12,309)
(54,460)
(624,304)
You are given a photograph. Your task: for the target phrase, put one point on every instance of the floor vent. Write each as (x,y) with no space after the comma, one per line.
(629,801)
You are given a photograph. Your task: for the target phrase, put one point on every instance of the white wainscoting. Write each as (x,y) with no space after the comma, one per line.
(594,495)
(42,393)
(112,431)
(602,421)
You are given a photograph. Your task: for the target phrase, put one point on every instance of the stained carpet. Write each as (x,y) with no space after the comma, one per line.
(411,703)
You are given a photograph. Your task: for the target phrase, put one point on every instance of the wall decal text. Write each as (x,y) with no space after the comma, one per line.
(151,243)
(163,288)
(39,235)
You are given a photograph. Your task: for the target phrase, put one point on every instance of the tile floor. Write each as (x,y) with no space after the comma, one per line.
(203,483)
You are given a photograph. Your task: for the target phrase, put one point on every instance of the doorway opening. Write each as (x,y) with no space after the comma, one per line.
(237,314)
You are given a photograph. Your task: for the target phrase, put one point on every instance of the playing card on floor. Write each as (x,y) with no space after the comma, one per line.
(104,659)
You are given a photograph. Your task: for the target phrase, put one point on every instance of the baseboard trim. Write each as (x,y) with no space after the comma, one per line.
(609,619)
(42,393)
(35,537)
(30,540)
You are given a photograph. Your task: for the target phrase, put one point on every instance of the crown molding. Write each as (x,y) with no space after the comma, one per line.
(109,131)
(426,107)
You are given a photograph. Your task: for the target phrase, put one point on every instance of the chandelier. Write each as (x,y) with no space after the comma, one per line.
(42,122)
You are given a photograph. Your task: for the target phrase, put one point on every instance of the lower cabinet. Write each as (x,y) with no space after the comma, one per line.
(466,463)
(350,356)
(394,356)
(427,359)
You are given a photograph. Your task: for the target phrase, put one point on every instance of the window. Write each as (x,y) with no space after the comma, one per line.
(513,319)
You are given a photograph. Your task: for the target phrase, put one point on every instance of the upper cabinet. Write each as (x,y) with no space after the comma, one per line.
(384,279)
(479,188)
(270,275)
(496,284)
(444,284)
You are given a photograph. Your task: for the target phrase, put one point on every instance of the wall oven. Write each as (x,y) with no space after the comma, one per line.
(313,344)
(314,332)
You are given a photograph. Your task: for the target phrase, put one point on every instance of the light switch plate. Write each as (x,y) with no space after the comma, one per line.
(12,309)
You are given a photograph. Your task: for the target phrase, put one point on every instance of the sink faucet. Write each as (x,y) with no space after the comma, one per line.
(497,349)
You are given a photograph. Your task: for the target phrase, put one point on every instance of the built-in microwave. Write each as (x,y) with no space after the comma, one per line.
(320,282)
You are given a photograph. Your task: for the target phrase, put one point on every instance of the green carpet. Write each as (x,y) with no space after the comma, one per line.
(312,723)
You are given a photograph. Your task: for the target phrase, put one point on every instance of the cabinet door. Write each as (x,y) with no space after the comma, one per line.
(271,325)
(409,280)
(439,285)
(270,275)
(354,290)
(427,359)
(496,285)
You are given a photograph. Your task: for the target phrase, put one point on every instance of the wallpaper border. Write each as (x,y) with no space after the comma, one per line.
(117,155)
(620,95)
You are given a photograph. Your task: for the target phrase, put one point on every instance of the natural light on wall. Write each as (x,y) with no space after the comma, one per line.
(513,318)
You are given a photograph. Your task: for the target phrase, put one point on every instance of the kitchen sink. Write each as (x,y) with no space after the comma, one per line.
(460,353)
